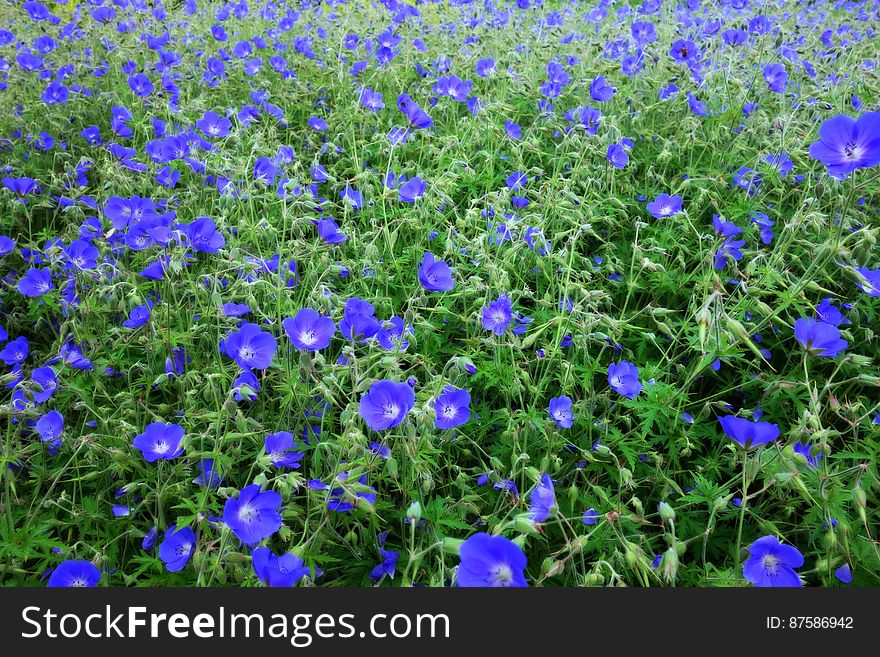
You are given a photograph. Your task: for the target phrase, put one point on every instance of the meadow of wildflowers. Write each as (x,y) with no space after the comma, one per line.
(454,293)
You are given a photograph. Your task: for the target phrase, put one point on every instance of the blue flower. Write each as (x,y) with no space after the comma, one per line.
(283,571)
(209,474)
(590,517)
(560,411)
(251,347)
(497,315)
(623,377)
(819,338)
(254,515)
(491,561)
(359,323)
(160,441)
(35,282)
(15,351)
(386,404)
(435,275)
(748,433)
(177,547)
(50,426)
(309,330)
(804,450)
(412,190)
(542,500)
(776,77)
(74,574)
(846,144)
(451,408)
(665,205)
(617,156)
(844,574)
(138,316)
(387,567)
(772,564)
(280,448)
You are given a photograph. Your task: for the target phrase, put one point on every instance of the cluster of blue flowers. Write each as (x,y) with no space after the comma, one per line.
(287,280)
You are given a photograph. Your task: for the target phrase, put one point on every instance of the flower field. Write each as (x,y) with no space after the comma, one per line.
(445,293)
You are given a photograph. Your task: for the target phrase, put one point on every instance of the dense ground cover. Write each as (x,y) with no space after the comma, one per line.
(311,293)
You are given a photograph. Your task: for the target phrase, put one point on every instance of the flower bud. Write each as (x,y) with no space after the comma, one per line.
(524,524)
(667,513)
(669,565)
(452,545)
(414,512)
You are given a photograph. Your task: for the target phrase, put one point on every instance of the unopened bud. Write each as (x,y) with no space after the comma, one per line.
(414,512)
(669,565)
(452,545)
(667,513)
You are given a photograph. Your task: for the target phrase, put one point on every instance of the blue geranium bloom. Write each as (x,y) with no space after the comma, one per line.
(81,255)
(386,404)
(590,517)
(748,433)
(772,564)
(359,322)
(328,231)
(452,408)
(435,275)
(829,313)
(560,411)
(15,351)
(387,567)
(46,379)
(202,235)
(254,515)
(846,144)
(491,561)
(729,250)
(72,573)
(251,347)
(209,474)
(35,282)
(623,377)
(725,228)
(844,574)
(281,449)
(412,190)
(765,226)
(684,50)
(776,77)
(372,100)
(804,450)
(7,244)
(277,571)
(496,317)
(177,548)
(542,500)
(516,180)
(665,205)
(617,156)
(149,541)
(309,330)
(213,125)
(160,440)
(393,334)
(697,106)
(819,338)
(600,90)
(870,283)
(50,426)
(232,309)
